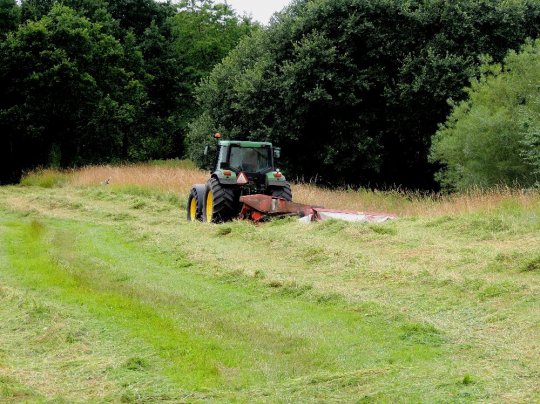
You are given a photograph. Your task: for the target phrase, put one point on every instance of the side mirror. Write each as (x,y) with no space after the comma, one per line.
(277,152)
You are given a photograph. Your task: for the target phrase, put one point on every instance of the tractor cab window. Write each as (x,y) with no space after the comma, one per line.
(251,160)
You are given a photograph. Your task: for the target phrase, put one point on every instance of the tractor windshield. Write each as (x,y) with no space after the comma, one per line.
(251,160)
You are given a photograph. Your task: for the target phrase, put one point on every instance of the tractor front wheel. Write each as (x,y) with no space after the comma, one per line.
(220,203)
(284,192)
(196,202)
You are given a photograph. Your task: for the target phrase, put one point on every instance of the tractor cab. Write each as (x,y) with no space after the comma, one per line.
(248,157)
(249,165)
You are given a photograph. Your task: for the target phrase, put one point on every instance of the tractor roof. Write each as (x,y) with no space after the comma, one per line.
(244,143)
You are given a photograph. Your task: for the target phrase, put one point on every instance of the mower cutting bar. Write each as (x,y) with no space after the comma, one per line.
(259,207)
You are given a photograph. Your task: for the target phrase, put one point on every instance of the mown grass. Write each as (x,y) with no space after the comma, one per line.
(112,290)
(203,333)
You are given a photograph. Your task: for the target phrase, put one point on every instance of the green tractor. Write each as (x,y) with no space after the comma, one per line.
(242,168)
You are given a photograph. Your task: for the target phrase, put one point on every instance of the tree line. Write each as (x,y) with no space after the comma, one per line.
(94,81)
(352,90)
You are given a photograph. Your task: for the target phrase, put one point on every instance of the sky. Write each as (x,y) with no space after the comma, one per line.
(260,10)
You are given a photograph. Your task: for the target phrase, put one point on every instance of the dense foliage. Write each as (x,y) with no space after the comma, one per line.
(494,136)
(353,90)
(9,16)
(86,81)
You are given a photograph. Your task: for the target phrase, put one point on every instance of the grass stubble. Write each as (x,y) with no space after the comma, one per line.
(108,294)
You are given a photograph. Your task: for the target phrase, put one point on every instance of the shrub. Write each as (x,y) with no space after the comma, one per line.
(493,137)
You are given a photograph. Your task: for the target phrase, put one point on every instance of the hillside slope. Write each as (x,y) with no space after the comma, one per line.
(111,295)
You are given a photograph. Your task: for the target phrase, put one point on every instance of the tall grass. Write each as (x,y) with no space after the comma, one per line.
(153,176)
(408,203)
(45,178)
(179,176)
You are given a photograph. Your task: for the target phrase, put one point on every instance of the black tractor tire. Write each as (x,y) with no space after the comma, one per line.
(220,202)
(195,203)
(284,192)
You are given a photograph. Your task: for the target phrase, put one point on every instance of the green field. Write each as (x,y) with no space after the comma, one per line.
(110,295)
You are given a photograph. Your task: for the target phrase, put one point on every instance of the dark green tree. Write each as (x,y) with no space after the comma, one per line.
(164,80)
(88,81)
(9,16)
(35,9)
(205,32)
(138,15)
(353,90)
(67,97)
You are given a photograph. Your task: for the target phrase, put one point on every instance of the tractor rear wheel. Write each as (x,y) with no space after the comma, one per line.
(196,202)
(284,192)
(220,203)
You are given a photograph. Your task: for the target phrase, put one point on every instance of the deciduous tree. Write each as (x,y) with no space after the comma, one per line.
(493,137)
(353,90)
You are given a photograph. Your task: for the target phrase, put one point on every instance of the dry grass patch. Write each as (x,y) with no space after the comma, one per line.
(164,179)
(178,179)
(406,203)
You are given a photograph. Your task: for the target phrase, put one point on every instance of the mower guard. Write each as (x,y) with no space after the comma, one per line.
(261,207)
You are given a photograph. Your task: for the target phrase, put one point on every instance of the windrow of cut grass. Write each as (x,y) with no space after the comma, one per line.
(177,177)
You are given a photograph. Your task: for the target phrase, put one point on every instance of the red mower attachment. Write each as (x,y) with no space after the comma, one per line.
(263,207)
